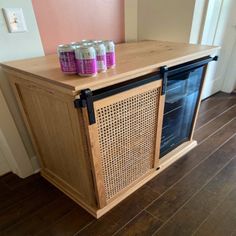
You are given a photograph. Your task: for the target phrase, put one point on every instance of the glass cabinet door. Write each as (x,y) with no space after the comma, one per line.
(182,96)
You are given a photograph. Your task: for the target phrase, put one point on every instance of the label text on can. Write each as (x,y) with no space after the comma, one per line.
(101,62)
(67,62)
(87,66)
(110,56)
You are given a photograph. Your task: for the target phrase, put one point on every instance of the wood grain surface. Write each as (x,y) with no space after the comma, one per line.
(133,59)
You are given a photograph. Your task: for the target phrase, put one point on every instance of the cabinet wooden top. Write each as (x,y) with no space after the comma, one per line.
(133,59)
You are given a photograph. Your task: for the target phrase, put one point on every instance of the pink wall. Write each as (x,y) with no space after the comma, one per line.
(63,21)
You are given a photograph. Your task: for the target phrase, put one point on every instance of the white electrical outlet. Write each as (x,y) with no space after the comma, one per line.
(15,19)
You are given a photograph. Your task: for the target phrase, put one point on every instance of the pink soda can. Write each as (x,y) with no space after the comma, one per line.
(86,60)
(110,53)
(67,59)
(100,56)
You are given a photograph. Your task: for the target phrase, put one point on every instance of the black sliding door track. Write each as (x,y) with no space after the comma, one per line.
(122,87)
(190,65)
(87,97)
(117,88)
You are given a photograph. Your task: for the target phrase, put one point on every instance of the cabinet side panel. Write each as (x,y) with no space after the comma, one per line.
(55,127)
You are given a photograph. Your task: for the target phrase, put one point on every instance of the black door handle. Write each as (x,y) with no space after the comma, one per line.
(86,100)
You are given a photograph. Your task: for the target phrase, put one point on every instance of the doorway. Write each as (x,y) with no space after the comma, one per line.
(217,27)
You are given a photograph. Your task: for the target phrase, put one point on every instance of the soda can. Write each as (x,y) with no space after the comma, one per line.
(110,53)
(86,60)
(75,45)
(100,56)
(67,59)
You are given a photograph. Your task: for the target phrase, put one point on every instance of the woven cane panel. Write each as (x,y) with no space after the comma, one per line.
(127,135)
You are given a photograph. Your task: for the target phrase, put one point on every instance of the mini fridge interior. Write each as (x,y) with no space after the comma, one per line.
(183,85)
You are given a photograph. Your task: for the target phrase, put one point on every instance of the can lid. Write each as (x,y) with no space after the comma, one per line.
(86,41)
(76,43)
(65,47)
(98,41)
(108,41)
(86,45)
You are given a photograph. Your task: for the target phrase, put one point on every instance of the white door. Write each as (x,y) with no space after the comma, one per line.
(229,83)
(216,26)
(230,74)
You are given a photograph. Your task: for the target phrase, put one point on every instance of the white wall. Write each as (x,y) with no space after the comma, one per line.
(207,22)
(19,46)
(131,20)
(165,19)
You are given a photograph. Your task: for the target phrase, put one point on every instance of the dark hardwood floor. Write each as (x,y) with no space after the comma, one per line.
(194,196)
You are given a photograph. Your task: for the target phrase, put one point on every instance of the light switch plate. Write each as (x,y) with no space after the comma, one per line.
(15,20)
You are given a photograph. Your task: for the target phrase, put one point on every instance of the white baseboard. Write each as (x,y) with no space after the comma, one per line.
(7,155)
(35,164)
(211,87)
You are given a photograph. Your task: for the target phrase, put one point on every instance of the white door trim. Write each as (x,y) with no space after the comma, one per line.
(209,26)
(229,83)
(4,167)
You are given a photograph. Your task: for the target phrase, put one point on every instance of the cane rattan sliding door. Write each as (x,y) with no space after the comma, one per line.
(125,139)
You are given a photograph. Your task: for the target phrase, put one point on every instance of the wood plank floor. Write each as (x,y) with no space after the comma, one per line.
(194,196)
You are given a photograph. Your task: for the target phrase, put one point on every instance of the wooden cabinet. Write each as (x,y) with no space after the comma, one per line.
(95,164)
(98,138)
